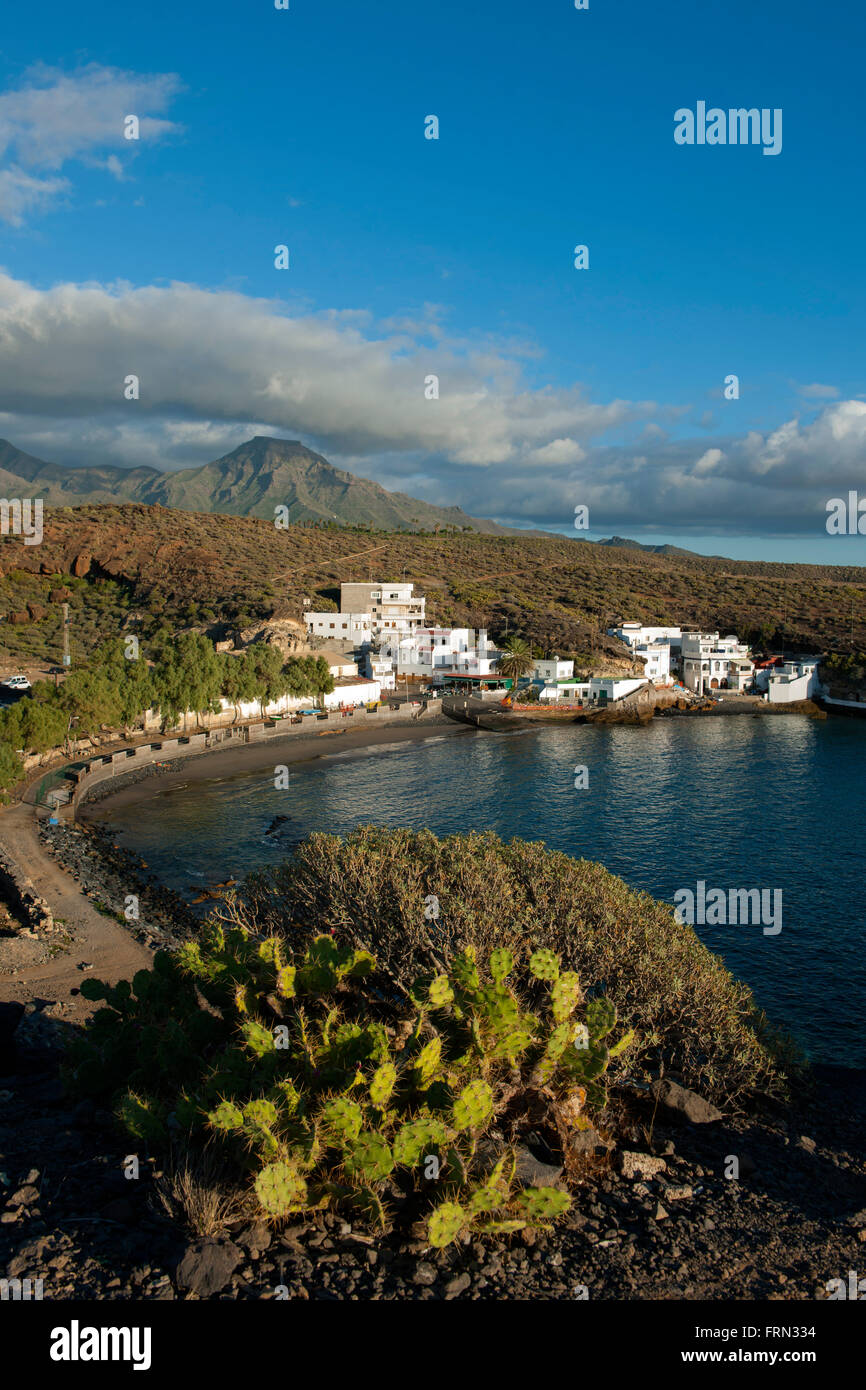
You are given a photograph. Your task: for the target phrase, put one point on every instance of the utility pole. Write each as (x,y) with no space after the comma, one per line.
(67,660)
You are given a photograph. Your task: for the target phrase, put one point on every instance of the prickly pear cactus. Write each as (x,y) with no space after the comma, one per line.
(281,1189)
(227,1117)
(600,1017)
(427,1064)
(382,1084)
(473,1107)
(501,964)
(341,1119)
(440,992)
(565,995)
(417,1137)
(369,1157)
(540,1204)
(544,964)
(445,1224)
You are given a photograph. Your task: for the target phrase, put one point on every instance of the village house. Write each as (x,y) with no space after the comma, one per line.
(637,635)
(794,680)
(656,657)
(711,662)
(550,671)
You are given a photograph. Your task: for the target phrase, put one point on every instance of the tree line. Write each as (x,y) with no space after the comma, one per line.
(183,675)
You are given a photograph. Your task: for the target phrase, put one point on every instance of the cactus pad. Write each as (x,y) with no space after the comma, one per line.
(543,1203)
(474,1106)
(544,964)
(281,1189)
(445,1224)
(501,963)
(382,1084)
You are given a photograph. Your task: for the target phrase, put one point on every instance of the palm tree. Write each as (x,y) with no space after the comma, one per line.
(517,659)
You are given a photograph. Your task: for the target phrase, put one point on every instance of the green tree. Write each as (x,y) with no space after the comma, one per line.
(517,659)
(11,770)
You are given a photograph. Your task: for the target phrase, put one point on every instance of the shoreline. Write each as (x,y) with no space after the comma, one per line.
(223,764)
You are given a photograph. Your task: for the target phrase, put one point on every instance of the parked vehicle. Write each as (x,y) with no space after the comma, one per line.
(16,683)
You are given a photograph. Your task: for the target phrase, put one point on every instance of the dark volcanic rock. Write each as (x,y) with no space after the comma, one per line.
(208,1265)
(685,1104)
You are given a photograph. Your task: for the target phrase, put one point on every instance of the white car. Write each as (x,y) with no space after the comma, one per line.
(16,683)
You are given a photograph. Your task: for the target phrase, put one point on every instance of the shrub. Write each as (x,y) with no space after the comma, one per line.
(287,1058)
(377,886)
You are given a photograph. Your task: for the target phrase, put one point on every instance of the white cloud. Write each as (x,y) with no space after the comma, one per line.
(22,193)
(209,355)
(818,392)
(218,366)
(55,117)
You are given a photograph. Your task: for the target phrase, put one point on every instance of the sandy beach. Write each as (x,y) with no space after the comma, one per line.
(220,764)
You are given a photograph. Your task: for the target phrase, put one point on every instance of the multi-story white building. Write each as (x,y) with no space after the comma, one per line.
(656,657)
(380,668)
(711,662)
(392,607)
(368,612)
(637,635)
(439,648)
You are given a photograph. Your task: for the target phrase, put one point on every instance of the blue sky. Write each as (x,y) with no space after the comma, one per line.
(411,256)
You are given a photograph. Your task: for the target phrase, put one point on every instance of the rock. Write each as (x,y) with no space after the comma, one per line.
(531,1172)
(255,1237)
(456,1286)
(660,1214)
(804,1142)
(24,1197)
(208,1265)
(425,1273)
(678,1194)
(687,1105)
(634,1165)
(585,1143)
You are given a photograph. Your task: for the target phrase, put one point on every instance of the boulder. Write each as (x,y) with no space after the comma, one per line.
(635,1165)
(685,1105)
(208,1266)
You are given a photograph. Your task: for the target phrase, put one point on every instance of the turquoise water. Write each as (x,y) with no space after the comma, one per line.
(771,803)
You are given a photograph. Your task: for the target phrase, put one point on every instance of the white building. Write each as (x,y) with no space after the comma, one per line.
(433,649)
(711,662)
(356,628)
(552,670)
(353,691)
(380,668)
(612,688)
(794,680)
(568,690)
(656,657)
(637,635)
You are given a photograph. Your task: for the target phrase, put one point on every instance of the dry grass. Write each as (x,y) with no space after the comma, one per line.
(197,1188)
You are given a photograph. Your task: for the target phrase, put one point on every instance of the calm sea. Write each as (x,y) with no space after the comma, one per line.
(771,803)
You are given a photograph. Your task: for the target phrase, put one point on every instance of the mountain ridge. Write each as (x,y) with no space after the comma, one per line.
(252,480)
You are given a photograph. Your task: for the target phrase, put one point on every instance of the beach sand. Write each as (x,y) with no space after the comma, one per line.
(220,764)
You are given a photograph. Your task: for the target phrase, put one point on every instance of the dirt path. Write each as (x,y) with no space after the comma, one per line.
(98,940)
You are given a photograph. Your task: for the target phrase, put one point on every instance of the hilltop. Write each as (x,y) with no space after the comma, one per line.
(252,480)
(562,594)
